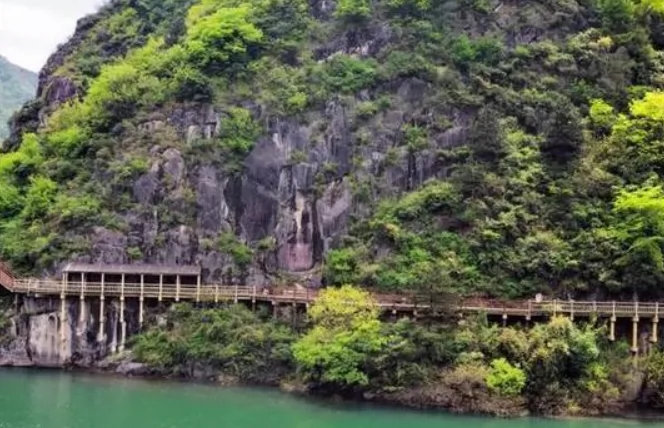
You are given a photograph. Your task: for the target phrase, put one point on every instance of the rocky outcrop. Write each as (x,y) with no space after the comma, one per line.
(39,336)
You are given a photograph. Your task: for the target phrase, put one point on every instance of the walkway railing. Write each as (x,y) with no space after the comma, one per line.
(220,292)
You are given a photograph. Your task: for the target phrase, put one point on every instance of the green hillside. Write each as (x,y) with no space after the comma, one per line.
(496,148)
(17,86)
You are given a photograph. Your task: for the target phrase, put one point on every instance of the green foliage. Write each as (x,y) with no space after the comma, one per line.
(345,337)
(231,339)
(654,371)
(353,11)
(229,244)
(238,136)
(505,379)
(222,39)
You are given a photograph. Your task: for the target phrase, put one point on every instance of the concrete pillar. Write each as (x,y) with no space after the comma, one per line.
(635,335)
(504,319)
(612,329)
(653,337)
(198,288)
(141,299)
(63,311)
(571,310)
(253,299)
(81,312)
(177,288)
(123,325)
(235,300)
(216,293)
(161,287)
(101,335)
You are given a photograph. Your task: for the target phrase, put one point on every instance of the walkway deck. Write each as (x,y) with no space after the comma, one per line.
(219,292)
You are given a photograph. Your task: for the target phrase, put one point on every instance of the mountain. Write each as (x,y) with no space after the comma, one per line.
(500,148)
(17,86)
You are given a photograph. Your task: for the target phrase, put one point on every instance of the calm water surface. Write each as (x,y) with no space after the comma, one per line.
(36,399)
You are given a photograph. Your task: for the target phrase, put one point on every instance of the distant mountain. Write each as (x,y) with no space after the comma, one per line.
(17,86)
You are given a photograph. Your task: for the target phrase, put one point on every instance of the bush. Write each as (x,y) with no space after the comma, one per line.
(505,379)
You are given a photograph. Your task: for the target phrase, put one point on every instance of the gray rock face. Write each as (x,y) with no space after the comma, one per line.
(39,336)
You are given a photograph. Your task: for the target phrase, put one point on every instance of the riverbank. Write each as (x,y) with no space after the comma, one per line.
(346,350)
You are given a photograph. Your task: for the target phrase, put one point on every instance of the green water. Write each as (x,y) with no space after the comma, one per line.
(33,399)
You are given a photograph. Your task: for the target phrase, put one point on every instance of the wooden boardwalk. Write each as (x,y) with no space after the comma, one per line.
(187,286)
(218,293)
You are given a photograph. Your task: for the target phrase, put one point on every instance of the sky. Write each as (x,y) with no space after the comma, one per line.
(30,30)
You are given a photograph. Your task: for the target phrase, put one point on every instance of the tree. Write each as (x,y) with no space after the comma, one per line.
(346,336)
(559,356)
(639,228)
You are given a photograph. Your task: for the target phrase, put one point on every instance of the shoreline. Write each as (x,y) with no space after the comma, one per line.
(646,416)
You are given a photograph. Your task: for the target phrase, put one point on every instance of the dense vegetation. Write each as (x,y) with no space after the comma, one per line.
(17,86)
(528,161)
(346,348)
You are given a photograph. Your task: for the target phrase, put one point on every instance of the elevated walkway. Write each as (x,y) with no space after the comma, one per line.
(184,284)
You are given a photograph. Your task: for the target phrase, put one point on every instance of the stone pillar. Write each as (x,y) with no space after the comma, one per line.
(653,337)
(635,335)
(101,335)
(81,312)
(140,302)
(123,325)
(63,317)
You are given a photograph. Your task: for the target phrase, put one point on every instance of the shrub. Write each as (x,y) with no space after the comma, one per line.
(505,379)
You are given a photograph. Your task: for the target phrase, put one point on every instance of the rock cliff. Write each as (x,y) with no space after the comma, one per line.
(386,143)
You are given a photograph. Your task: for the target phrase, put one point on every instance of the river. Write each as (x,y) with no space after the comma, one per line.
(43,399)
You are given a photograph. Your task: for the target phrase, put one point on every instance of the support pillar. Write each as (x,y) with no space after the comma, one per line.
(653,337)
(253,300)
(141,299)
(123,325)
(102,315)
(612,329)
(571,310)
(655,321)
(177,288)
(161,288)
(635,335)
(63,313)
(216,293)
(504,319)
(198,288)
(81,312)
